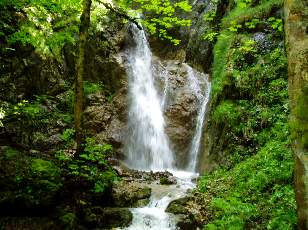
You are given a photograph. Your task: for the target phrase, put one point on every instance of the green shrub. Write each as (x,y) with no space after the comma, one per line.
(91,88)
(68,135)
(91,165)
(227,111)
(11,152)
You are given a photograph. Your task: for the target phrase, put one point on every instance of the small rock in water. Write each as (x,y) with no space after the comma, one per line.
(164,180)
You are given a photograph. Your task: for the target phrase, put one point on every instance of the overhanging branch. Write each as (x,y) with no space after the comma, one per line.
(120,13)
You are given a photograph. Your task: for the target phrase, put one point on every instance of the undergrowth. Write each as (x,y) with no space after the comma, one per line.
(253,188)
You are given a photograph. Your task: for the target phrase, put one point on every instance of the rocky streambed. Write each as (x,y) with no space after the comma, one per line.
(150,200)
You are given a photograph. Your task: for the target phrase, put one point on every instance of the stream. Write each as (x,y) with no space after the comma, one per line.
(148,147)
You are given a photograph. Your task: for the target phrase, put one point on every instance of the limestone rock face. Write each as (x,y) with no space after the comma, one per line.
(108,120)
(296,25)
(181,105)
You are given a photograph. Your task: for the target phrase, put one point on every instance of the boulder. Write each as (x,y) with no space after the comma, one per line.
(178,206)
(98,217)
(181,104)
(130,194)
(184,218)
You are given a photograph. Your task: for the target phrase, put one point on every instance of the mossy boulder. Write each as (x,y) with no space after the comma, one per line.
(28,183)
(98,217)
(131,194)
(167,180)
(178,206)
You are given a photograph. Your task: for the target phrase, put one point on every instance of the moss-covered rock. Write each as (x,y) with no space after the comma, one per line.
(178,206)
(28,183)
(131,194)
(107,218)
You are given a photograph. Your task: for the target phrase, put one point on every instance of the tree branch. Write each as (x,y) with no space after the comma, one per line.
(120,13)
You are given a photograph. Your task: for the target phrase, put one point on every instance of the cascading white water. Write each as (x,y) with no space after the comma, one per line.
(202,100)
(153,216)
(148,146)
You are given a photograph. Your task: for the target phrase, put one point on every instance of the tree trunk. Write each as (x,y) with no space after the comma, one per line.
(80,72)
(296,30)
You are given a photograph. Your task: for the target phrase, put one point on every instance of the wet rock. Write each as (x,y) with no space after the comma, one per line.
(164,180)
(126,194)
(184,222)
(263,42)
(186,215)
(181,105)
(178,206)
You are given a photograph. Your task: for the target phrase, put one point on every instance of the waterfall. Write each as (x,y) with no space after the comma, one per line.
(202,100)
(147,145)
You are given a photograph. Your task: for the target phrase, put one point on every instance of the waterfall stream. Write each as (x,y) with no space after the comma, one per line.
(203,100)
(148,146)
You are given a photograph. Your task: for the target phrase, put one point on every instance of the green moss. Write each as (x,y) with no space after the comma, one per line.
(68,220)
(11,152)
(91,88)
(221,52)
(301,126)
(44,168)
(227,111)
(245,14)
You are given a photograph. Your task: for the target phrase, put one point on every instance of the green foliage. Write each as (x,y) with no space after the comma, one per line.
(234,26)
(39,182)
(248,46)
(210,36)
(256,189)
(226,111)
(49,25)
(221,53)
(160,16)
(276,23)
(243,3)
(90,166)
(68,220)
(253,23)
(253,188)
(241,15)
(68,135)
(209,16)
(91,88)
(28,116)
(2,115)
(43,168)
(26,109)
(11,153)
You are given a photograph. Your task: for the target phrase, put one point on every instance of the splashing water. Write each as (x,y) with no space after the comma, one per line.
(203,99)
